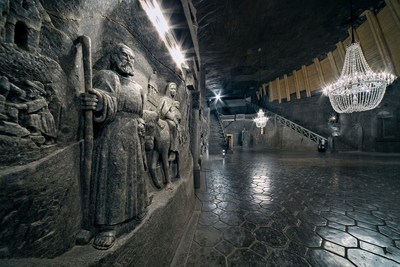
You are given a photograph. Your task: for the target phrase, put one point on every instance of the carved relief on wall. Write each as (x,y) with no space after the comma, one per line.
(26,122)
(118,191)
(30,84)
(40,113)
(163,134)
(25,112)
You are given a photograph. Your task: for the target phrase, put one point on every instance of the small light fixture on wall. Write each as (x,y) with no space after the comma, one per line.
(157,18)
(358,87)
(261,120)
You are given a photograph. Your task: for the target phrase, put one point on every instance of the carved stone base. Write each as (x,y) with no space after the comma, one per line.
(152,243)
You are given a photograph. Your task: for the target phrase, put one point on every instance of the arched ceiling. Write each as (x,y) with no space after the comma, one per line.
(245,43)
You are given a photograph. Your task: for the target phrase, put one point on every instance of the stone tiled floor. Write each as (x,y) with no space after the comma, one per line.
(297,209)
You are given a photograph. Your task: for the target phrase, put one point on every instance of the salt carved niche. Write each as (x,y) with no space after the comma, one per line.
(23,24)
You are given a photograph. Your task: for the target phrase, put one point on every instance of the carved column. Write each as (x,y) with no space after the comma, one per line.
(271,92)
(341,50)
(333,65)
(287,87)
(380,41)
(297,84)
(306,80)
(320,73)
(394,7)
(195,136)
(356,37)
(278,88)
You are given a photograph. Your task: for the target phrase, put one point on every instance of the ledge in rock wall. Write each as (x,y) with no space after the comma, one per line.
(152,243)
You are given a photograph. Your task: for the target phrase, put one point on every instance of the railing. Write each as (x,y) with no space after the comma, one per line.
(221,126)
(294,126)
(237,117)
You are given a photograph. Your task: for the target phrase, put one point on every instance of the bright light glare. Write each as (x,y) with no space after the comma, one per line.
(176,53)
(155,15)
(218,97)
(261,119)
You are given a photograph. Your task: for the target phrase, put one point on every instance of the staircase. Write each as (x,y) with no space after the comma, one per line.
(288,123)
(217,141)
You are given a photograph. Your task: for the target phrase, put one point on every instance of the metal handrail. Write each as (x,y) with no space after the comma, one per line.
(222,126)
(290,124)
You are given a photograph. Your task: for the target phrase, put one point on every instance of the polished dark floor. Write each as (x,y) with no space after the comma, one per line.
(297,209)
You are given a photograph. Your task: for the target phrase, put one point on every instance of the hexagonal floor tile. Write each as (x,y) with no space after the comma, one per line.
(261,249)
(245,257)
(258,218)
(271,237)
(207,236)
(208,218)
(239,236)
(205,257)
(225,247)
(228,206)
(232,218)
(338,218)
(337,237)
(283,258)
(370,236)
(365,258)
(312,218)
(304,236)
(320,257)
(366,218)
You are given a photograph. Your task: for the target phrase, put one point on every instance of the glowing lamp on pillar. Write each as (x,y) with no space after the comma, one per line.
(261,120)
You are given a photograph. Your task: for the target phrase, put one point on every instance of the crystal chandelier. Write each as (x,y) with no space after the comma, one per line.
(358,87)
(260,120)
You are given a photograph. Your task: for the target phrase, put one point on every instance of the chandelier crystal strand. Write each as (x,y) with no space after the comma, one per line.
(358,87)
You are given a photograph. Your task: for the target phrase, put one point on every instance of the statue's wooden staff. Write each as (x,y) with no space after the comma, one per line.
(88,129)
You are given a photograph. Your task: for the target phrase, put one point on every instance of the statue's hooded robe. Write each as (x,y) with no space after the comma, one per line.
(118,189)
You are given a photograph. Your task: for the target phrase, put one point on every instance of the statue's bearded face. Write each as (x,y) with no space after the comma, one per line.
(124,62)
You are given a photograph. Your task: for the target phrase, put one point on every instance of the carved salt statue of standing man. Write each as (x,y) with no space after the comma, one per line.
(169,111)
(118,189)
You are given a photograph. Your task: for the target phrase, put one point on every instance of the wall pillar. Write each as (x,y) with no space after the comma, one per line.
(297,84)
(306,81)
(195,136)
(320,73)
(394,7)
(379,40)
(341,50)
(334,67)
(287,87)
(271,92)
(278,88)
